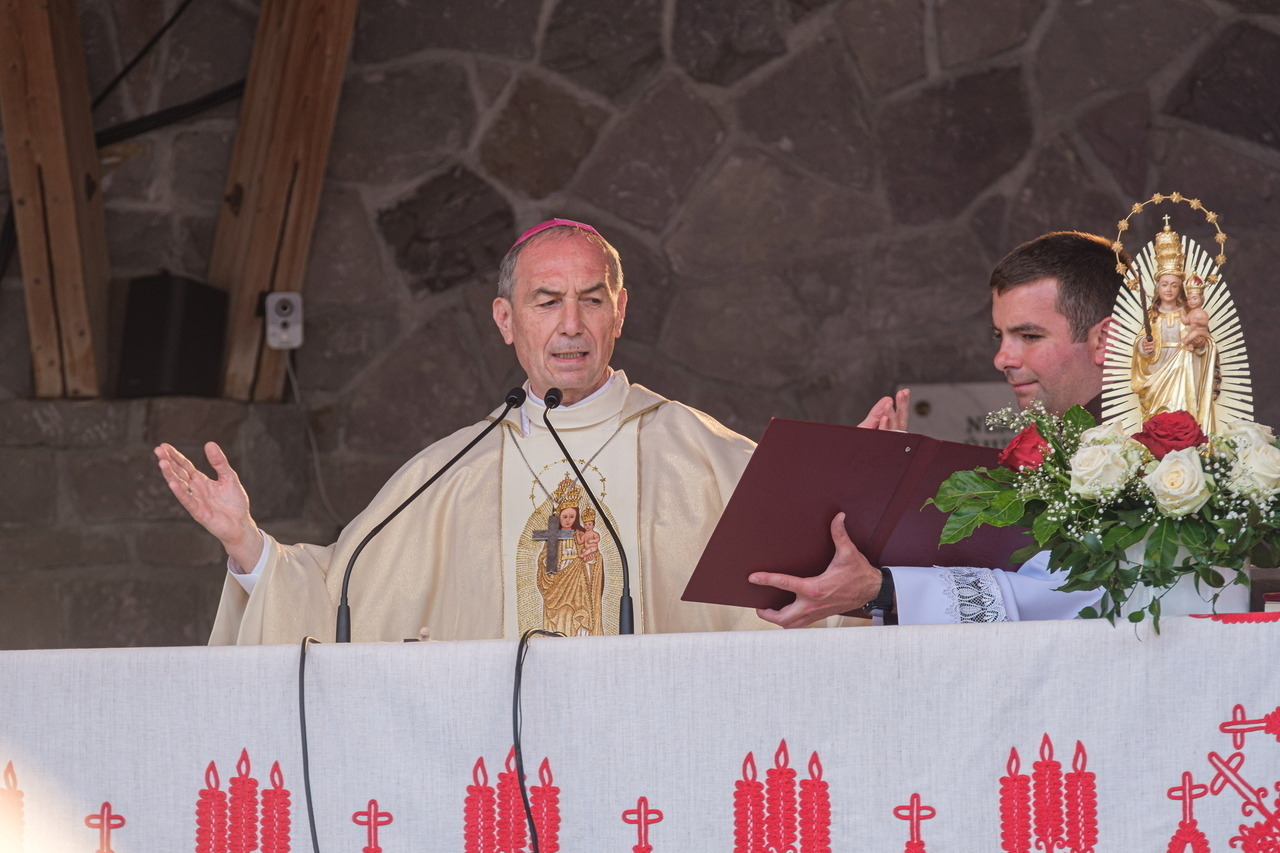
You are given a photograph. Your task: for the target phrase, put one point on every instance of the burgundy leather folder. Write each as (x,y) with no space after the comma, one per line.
(801,474)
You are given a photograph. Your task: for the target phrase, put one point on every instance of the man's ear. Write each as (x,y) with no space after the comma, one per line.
(621,312)
(502,319)
(1099,338)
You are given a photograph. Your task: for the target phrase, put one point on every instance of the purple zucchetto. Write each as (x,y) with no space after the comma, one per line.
(552,223)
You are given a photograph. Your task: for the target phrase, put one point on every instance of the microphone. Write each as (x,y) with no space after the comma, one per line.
(626,618)
(342,630)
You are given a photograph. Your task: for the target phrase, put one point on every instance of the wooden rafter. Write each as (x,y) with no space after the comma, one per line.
(276,176)
(55,183)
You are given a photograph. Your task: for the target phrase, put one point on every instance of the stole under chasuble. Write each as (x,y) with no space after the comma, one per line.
(452,562)
(546,511)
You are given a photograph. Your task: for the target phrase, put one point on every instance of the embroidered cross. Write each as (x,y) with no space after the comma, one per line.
(553,536)
(1238,726)
(916,814)
(104,821)
(372,818)
(642,816)
(1186,792)
(1229,774)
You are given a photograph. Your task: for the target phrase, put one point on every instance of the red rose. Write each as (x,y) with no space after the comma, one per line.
(1027,450)
(1170,431)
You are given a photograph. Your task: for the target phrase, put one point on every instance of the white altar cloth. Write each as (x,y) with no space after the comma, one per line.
(888,717)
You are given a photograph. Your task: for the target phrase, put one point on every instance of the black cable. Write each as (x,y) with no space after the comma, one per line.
(129,129)
(168,115)
(302,725)
(146,48)
(626,617)
(119,133)
(521,651)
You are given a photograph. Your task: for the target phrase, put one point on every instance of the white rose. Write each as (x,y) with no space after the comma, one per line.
(1179,483)
(1099,469)
(1108,433)
(1257,470)
(1246,433)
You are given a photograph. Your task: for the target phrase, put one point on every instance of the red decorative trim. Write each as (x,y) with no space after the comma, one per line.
(1260,837)
(211,814)
(1046,800)
(1188,837)
(243,813)
(1015,808)
(544,800)
(480,813)
(1188,834)
(105,821)
(1231,618)
(915,814)
(1082,805)
(371,818)
(1252,802)
(815,811)
(642,817)
(276,822)
(1239,725)
(780,802)
(748,810)
(512,833)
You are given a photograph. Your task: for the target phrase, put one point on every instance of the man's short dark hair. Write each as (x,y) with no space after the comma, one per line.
(1083,264)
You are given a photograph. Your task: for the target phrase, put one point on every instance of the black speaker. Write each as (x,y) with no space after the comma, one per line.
(172,340)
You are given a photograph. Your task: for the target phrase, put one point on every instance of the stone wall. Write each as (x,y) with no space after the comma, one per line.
(808,197)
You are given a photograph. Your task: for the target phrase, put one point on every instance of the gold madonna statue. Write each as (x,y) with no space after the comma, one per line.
(1175,363)
(1176,341)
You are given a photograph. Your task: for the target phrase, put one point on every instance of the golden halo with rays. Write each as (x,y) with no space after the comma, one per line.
(1234,397)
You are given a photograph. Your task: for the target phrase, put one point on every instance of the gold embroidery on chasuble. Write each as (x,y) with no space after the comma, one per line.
(560,560)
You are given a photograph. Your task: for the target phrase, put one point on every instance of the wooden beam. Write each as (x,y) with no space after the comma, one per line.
(55,181)
(276,176)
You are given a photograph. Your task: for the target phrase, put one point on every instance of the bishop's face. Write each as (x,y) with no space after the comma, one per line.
(563,317)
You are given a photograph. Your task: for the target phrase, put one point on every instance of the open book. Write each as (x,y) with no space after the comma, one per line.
(779,517)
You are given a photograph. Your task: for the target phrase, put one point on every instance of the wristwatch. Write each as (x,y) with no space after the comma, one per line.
(884,600)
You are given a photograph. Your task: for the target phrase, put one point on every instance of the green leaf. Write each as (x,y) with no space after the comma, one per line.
(1092,543)
(1196,533)
(1162,544)
(1265,554)
(965,486)
(1210,577)
(1023,554)
(1044,527)
(1006,508)
(1079,418)
(961,523)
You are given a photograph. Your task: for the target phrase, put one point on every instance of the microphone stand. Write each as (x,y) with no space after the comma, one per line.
(626,617)
(342,630)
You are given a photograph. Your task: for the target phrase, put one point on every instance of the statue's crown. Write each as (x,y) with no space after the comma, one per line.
(1170,258)
(567,494)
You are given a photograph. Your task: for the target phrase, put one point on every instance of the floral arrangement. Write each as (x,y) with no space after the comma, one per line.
(1204,504)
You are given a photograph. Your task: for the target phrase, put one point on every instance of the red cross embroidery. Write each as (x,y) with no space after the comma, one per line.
(916,814)
(372,818)
(104,821)
(642,816)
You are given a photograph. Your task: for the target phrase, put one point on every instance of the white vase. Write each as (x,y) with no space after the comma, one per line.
(1184,599)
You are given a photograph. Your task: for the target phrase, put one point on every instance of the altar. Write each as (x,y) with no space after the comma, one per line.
(1013,737)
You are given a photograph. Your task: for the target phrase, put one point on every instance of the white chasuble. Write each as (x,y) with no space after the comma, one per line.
(562,569)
